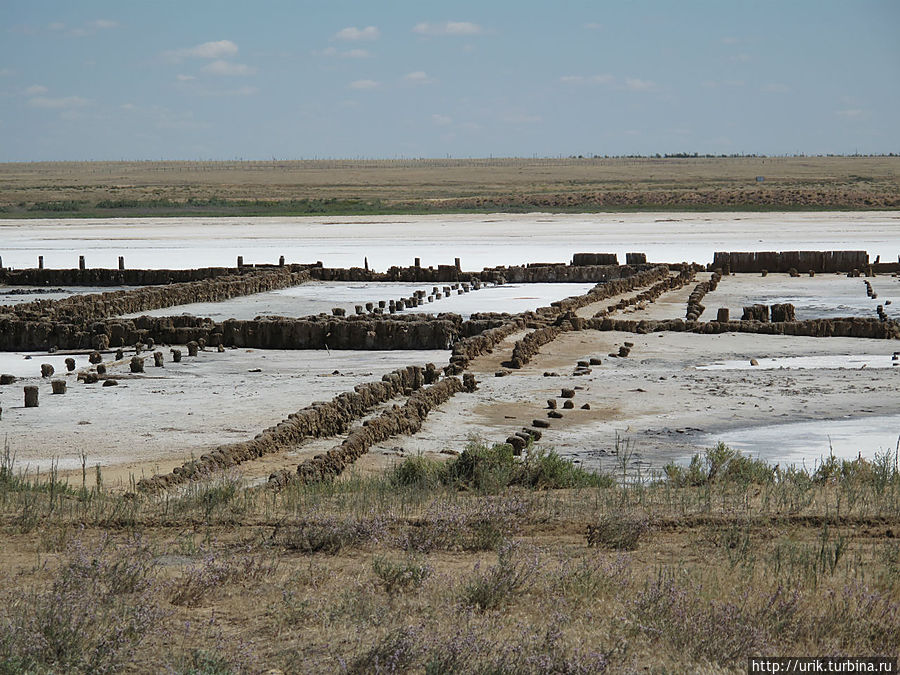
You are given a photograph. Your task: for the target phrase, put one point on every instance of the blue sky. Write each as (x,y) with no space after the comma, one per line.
(109,79)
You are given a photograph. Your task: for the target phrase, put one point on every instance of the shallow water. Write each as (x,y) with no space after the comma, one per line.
(15,363)
(830,361)
(479,240)
(315,298)
(808,443)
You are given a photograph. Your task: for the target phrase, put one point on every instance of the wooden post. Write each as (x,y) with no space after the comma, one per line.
(240,261)
(418,262)
(456,262)
(81,262)
(31,397)
(40,262)
(281,261)
(121,262)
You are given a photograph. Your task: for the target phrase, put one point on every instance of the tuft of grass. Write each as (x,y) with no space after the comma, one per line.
(720,463)
(498,585)
(400,576)
(329,534)
(617,532)
(195,585)
(491,469)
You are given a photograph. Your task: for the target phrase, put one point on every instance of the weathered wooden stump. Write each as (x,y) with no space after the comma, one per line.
(158,360)
(95,357)
(221,349)
(6,378)
(568,404)
(46,370)
(137,364)
(567,393)
(120,355)
(90,378)
(192,348)
(722,315)
(59,386)
(551,403)
(31,396)
(70,364)
(110,383)
(101,369)
(176,355)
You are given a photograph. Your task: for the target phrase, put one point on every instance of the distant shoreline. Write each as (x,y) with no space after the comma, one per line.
(447,186)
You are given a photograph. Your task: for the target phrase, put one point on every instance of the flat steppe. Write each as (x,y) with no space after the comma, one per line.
(447,185)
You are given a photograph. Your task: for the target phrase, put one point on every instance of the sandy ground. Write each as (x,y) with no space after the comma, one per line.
(480,241)
(157,420)
(664,408)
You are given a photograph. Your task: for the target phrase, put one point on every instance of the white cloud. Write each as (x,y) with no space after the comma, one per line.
(103,24)
(66,102)
(57,25)
(227,68)
(348,54)
(713,84)
(635,84)
(587,79)
(128,106)
(185,78)
(354,33)
(776,88)
(36,90)
(418,77)
(448,28)
(442,120)
(851,113)
(729,40)
(7,72)
(521,118)
(207,50)
(363,85)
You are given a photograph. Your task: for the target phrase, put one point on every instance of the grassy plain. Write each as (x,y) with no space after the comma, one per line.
(341,187)
(483,565)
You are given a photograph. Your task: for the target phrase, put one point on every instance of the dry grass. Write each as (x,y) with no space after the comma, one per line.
(164,188)
(365,575)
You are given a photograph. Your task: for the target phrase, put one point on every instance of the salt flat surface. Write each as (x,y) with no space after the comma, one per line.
(67,291)
(316,297)
(854,361)
(819,297)
(18,363)
(480,241)
(169,413)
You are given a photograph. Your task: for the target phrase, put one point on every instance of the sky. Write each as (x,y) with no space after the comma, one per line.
(295,79)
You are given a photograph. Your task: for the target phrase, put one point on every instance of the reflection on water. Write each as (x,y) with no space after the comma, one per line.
(808,443)
(831,361)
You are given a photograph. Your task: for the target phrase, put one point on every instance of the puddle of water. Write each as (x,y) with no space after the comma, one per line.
(307,299)
(808,443)
(15,363)
(830,361)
